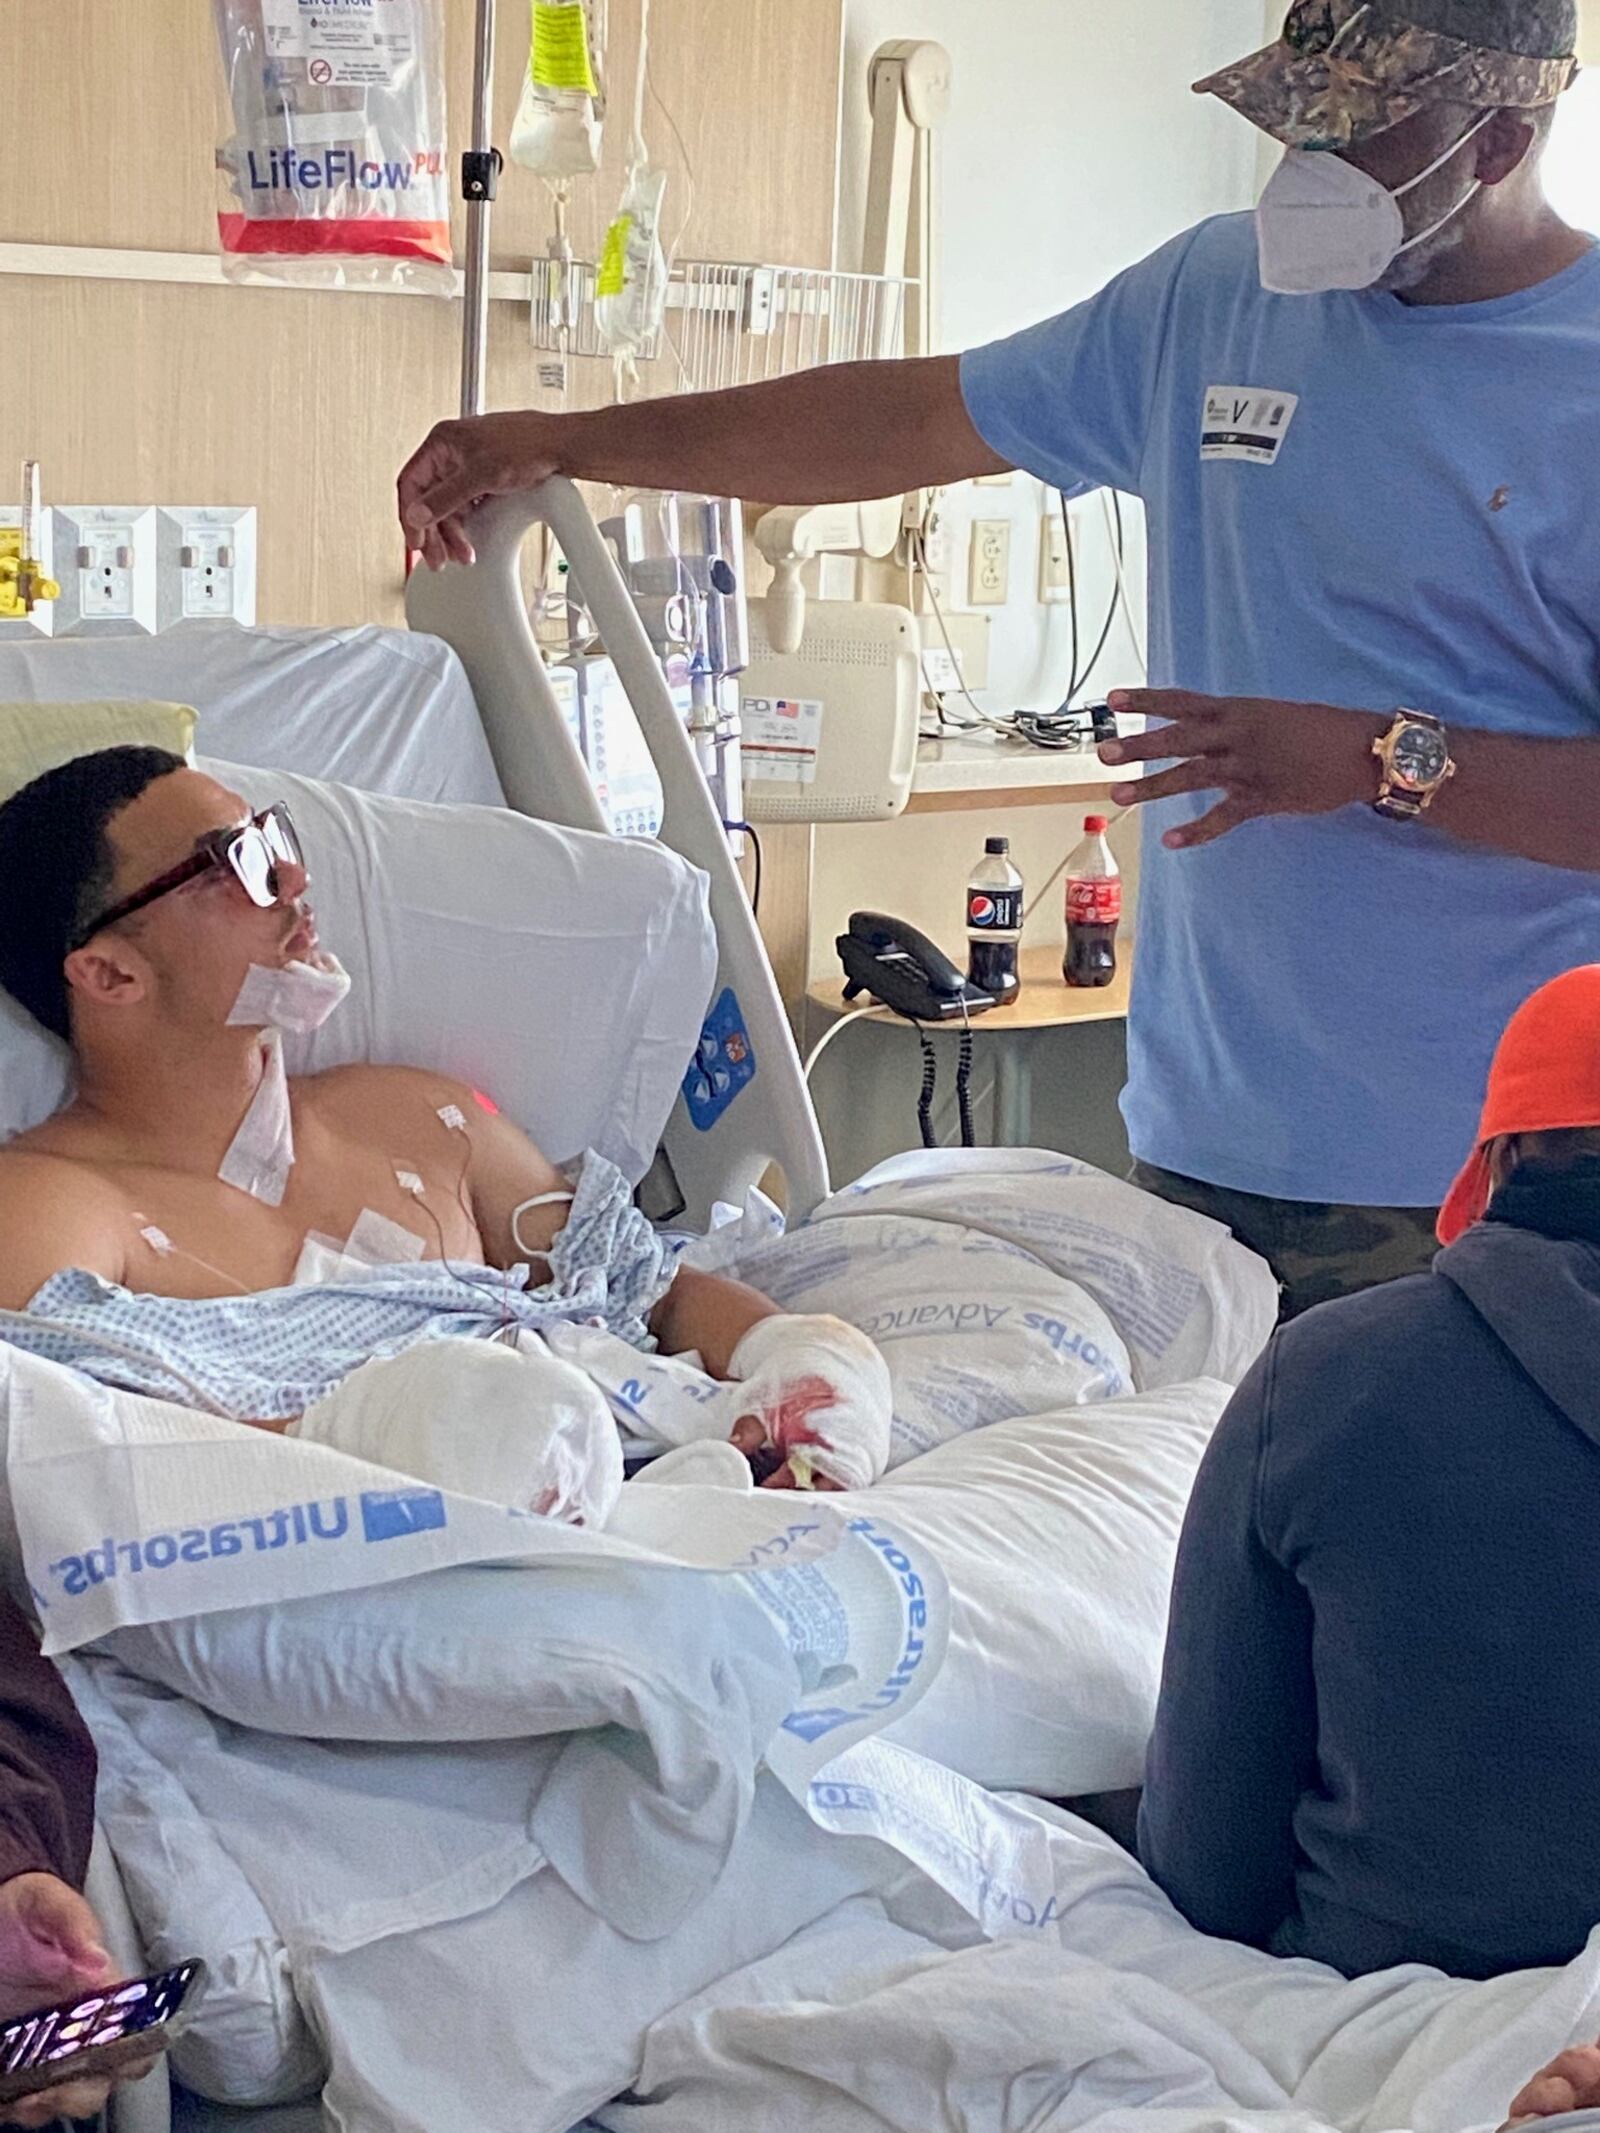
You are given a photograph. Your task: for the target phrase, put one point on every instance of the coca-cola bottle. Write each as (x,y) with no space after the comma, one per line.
(1094,909)
(994,922)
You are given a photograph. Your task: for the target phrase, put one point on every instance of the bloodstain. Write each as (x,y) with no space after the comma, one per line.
(787,1426)
(789,1422)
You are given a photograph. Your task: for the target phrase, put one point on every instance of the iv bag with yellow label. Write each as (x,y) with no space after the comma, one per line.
(558,122)
(630,291)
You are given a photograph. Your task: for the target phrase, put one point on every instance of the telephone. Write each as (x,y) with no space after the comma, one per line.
(901,967)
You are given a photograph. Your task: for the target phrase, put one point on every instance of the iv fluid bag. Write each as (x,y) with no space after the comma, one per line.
(557,128)
(332,165)
(630,291)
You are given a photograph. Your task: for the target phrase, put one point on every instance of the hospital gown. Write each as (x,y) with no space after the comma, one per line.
(271,1356)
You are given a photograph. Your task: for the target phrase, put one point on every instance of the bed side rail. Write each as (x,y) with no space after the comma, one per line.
(720,1140)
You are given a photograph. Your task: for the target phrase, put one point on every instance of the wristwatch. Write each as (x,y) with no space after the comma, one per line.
(1416,759)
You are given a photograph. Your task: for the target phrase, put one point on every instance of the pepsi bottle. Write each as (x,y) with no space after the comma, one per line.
(994,922)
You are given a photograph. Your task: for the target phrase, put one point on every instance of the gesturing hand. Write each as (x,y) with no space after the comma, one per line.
(1263,756)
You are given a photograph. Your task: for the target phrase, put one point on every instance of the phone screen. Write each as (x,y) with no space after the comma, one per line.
(40,2040)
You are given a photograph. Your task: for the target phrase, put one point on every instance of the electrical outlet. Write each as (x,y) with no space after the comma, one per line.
(989,570)
(206,562)
(1055,560)
(106,561)
(969,639)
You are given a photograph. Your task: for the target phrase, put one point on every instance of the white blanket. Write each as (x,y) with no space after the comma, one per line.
(1114,2015)
(819,1985)
(508,1856)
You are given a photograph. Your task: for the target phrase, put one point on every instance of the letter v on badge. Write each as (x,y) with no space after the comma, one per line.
(1246,422)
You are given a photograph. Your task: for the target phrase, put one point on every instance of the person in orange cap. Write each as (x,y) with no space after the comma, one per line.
(1540,1132)
(1374,1743)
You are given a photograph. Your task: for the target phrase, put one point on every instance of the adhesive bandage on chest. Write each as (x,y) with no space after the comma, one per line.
(374,1241)
(261,1154)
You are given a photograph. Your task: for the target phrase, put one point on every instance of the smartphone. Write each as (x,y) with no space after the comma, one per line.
(90,2037)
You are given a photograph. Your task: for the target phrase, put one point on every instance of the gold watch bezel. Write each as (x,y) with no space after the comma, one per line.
(1397,795)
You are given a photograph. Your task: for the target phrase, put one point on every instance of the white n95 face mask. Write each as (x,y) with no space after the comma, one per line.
(296,999)
(1321,224)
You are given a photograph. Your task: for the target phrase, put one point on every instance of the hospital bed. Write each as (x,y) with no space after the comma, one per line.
(385,713)
(479,723)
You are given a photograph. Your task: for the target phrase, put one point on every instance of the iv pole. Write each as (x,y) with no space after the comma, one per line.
(480,174)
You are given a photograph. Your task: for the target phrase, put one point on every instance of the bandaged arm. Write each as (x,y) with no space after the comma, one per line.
(819,1389)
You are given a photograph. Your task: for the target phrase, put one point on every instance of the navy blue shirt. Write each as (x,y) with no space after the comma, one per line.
(1378,1737)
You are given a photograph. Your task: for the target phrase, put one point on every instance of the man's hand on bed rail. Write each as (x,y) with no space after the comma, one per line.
(461,464)
(833,434)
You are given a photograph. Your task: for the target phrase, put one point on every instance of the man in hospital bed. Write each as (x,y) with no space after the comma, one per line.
(150,921)
(165,1079)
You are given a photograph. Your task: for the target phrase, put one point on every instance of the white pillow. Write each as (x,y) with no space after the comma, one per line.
(1187,1299)
(386,710)
(35,738)
(1058,1535)
(564,973)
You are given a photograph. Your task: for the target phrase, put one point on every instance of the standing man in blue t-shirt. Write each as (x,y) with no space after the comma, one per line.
(1366,430)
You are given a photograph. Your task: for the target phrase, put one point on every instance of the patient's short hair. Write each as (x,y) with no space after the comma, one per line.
(56,865)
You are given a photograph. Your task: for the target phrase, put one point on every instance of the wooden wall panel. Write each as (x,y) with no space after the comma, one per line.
(305,402)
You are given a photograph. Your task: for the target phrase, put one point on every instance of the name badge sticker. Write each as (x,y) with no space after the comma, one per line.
(1246,422)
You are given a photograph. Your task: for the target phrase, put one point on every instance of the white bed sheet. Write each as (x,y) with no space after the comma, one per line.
(384,710)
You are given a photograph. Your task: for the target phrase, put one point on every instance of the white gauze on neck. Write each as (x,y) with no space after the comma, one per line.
(261,1154)
(296,998)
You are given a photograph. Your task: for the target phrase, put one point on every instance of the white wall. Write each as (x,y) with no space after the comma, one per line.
(1074,146)
(1572,162)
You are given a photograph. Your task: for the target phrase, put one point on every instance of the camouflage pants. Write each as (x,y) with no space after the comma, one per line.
(1317,1252)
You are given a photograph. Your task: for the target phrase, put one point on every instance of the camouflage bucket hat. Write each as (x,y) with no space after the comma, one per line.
(1343,70)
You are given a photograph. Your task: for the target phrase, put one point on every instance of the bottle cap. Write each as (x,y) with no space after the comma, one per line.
(996,847)
(1096,825)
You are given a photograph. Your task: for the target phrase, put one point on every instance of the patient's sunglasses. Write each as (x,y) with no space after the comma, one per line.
(253,851)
